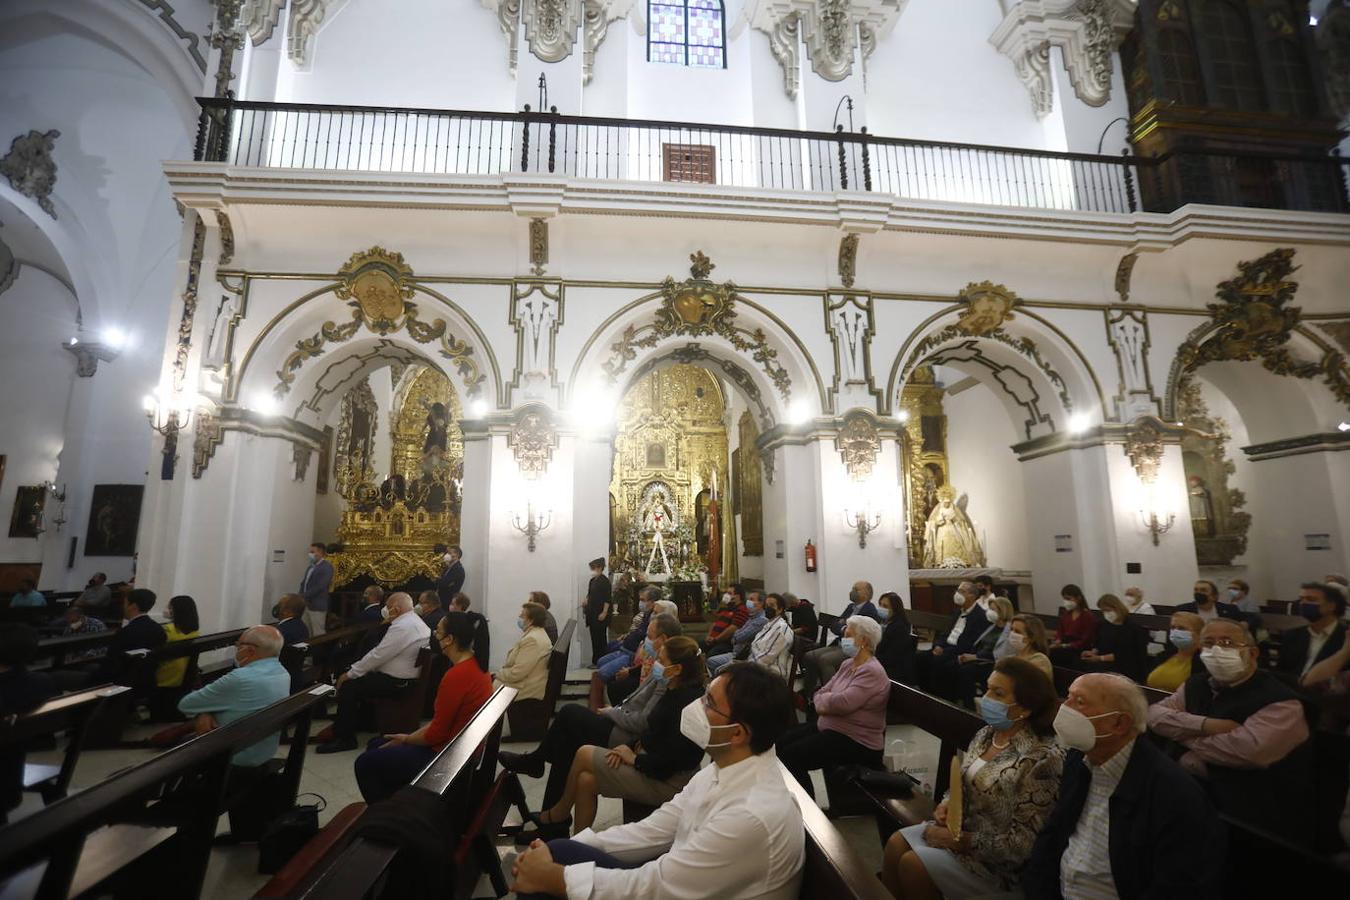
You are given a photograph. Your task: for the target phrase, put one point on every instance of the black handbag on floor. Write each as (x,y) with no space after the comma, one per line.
(287,833)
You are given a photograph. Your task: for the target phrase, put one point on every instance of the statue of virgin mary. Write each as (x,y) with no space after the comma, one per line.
(949,540)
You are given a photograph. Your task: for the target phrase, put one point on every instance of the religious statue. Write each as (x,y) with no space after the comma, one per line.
(1202,507)
(949,540)
(437,434)
(657,519)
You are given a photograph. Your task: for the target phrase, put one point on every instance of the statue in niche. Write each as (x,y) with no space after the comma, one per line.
(392,490)
(437,435)
(701,523)
(949,539)
(658,518)
(1202,507)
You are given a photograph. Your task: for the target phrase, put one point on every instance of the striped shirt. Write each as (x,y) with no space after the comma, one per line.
(1085,867)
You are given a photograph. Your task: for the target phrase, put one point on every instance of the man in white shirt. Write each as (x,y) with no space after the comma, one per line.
(388,669)
(734,832)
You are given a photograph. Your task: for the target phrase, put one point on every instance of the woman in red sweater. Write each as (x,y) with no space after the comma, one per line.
(1077,627)
(394,760)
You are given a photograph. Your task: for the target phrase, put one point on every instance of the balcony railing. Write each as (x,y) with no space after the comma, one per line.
(456,142)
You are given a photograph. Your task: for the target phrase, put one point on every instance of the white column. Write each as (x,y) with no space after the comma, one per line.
(792,515)
(591,470)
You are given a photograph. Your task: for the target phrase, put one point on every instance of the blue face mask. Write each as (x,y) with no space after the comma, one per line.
(849,646)
(751,606)
(883,614)
(643,606)
(1181,638)
(520,623)
(659,672)
(995,712)
(649,648)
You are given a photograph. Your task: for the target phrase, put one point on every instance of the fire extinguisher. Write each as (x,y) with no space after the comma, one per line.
(810,557)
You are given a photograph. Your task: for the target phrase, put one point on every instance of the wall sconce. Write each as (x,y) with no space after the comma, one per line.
(168,415)
(532,526)
(1155,525)
(864,523)
(59,495)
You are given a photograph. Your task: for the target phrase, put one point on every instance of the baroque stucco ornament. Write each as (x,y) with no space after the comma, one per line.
(532,440)
(552,26)
(859,444)
(988,306)
(832,31)
(1144,447)
(1087,33)
(30,168)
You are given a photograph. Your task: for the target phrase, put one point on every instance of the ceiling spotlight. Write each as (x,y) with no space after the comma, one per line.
(114,337)
(479,408)
(1079,422)
(798,412)
(266,403)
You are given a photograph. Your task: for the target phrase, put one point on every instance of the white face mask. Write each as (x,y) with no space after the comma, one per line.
(384,612)
(1112,617)
(1068,604)
(1225,664)
(1017,641)
(448,559)
(992,616)
(694,725)
(1075,729)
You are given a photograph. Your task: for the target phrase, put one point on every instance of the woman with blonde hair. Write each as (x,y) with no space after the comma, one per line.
(1181,659)
(1028,641)
(652,769)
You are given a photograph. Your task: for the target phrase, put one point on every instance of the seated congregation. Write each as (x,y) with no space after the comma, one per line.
(1132,750)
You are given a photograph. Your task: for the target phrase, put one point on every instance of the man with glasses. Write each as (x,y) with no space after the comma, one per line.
(1243,732)
(735,831)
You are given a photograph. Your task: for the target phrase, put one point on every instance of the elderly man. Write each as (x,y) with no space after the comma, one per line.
(820,664)
(1129,822)
(256,682)
(1244,734)
(733,833)
(575,726)
(744,635)
(731,614)
(938,667)
(372,606)
(291,621)
(387,670)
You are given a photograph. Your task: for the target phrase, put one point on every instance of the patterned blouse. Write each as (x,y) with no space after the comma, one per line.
(1007,802)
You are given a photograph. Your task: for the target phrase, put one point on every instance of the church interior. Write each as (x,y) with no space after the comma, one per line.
(410,399)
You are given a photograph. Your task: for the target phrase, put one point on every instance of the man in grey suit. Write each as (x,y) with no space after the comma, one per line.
(314,588)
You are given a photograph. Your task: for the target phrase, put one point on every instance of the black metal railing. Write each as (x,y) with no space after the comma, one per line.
(458,142)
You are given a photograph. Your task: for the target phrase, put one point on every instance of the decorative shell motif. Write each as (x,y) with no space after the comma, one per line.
(988,306)
(377,282)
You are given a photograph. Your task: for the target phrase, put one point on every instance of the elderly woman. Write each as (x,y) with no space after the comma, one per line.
(851,727)
(1181,659)
(1027,641)
(1121,645)
(526,666)
(650,770)
(1010,778)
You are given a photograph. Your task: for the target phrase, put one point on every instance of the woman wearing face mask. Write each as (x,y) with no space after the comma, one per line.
(526,666)
(851,727)
(1121,645)
(1077,627)
(1027,641)
(1181,659)
(1010,776)
(772,646)
(650,771)
(897,649)
(992,646)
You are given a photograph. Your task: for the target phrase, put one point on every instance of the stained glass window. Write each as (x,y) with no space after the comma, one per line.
(686,32)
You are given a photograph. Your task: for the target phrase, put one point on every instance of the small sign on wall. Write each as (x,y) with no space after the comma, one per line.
(278,556)
(1063,543)
(778,550)
(1317,541)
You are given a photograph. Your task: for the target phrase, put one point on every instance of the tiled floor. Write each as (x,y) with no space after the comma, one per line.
(233,875)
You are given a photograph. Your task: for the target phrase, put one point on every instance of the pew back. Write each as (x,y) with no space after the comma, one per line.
(832,868)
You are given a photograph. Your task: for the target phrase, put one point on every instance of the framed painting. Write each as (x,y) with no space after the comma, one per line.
(114,518)
(26,520)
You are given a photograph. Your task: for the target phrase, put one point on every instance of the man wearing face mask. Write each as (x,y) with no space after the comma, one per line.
(744,634)
(387,670)
(451,581)
(314,588)
(731,614)
(937,668)
(1302,648)
(597,609)
(1244,734)
(1205,603)
(372,606)
(1129,822)
(622,656)
(734,832)
(820,664)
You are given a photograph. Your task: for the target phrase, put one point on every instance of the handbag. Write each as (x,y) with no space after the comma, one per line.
(285,835)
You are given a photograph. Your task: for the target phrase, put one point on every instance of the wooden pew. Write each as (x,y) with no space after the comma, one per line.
(313,660)
(826,621)
(529,718)
(70,713)
(338,863)
(831,869)
(59,650)
(403,714)
(129,835)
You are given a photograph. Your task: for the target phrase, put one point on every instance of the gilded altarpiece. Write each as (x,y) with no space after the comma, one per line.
(923,454)
(750,488)
(392,521)
(1218,520)
(670,448)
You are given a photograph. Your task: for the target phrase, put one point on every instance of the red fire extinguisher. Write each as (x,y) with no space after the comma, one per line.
(810,557)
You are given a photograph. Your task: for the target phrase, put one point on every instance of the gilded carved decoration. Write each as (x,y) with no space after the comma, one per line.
(378,286)
(1339,331)
(30,168)
(1254,321)
(671,431)
(859,444)
(358,421)
(183,347)
(1218,520)
(750,490)
(538,246)
(227,36)
(988,306)
(209,435)
(300,457)
(226,237)
(1124,272)
(696,307)
(848,259)
(923,453)
(417,393)
(532,440)
(1144,447)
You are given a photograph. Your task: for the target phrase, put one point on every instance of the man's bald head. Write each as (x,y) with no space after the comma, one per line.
(399,604)
(1226,628)
(264,639)
(1098,693)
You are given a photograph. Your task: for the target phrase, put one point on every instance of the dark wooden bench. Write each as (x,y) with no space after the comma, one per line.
(403,714)
(826,621)
(338,863)
(529,718)
(832,869)
(58,651)
(313,660)
(142,833)
(71,714)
